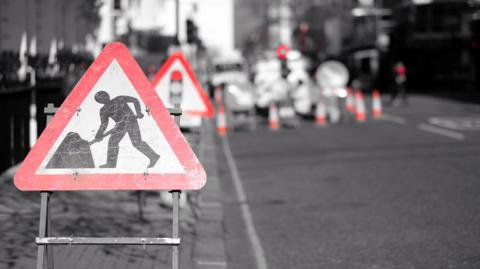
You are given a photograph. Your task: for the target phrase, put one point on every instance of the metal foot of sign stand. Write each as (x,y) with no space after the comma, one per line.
(141,202)
(175,229)
(45,252)
(45,242)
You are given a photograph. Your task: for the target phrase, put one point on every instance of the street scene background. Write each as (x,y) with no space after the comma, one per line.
(345,134)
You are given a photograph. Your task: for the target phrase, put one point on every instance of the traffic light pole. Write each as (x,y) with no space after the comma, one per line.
(177,20)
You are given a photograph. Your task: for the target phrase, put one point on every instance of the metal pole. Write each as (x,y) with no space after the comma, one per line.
(141,203)
(176,210)
(33,125)
(176,117)
(49,233)
(42,229)
(201,142)
(177,20)
(175,227)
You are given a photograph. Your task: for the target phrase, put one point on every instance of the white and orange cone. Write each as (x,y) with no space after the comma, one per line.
(360,113)
(273,120)
(218,95)
(320,114)
(350,101)
(221,121)
(376,104)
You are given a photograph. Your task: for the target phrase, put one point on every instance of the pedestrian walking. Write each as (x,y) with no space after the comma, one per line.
(399,90)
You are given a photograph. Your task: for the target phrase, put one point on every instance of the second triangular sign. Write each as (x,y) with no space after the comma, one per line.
(176,71)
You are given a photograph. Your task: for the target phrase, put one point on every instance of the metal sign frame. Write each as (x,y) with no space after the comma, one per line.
(45,242)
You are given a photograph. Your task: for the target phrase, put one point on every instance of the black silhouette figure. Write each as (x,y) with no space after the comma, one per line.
(125,123)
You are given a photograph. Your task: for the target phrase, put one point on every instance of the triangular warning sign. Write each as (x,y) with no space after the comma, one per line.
(194,100)
(111,133)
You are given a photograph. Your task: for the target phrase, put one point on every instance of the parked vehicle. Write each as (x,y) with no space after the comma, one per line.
(230,72)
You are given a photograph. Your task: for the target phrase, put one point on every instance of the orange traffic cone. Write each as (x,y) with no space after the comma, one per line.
(218,94)
(221,121)
(273,121)
(320,114)
(350,102)
(376,104)
(360,113)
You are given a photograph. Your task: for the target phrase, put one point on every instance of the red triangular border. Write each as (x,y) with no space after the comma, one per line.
(167,65)
(194,178)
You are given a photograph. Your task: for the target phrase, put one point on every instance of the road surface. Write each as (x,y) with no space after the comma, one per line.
(401,192)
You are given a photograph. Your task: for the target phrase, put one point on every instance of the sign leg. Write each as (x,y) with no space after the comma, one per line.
(49,248)
(141,204)
(202,143)
(175,227)
(42,229)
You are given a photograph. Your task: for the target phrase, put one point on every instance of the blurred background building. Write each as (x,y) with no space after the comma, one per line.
(69,22)
(151,24)
(433,37)
(438,40)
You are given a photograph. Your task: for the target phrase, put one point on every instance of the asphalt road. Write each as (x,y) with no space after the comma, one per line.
(402,192)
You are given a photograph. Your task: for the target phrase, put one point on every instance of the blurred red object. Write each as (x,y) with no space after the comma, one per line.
(282,51)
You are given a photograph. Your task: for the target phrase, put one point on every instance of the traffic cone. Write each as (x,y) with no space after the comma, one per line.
(376,104)
(221,121)
(273,121)
(350,102)
(218,94)
(359,106)
(320,114)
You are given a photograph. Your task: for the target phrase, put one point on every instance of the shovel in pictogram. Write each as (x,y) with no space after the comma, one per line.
(74,152)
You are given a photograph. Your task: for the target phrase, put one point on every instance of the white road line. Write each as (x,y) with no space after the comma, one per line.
(440,131)
(246,213)
(394,119)
(212,263)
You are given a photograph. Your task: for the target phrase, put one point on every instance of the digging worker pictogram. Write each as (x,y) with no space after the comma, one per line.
(125,122)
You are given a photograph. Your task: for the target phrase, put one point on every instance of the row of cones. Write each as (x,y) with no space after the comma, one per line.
(221,118)
(273,117)
(355,104)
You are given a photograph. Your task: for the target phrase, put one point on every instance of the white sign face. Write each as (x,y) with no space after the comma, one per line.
(194,101)
(191,99)
(130,144)
(190,121)
(332,74)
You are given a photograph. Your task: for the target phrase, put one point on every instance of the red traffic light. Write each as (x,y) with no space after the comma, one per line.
(282,51)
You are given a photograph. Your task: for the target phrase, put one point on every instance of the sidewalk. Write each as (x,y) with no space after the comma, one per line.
(111,213)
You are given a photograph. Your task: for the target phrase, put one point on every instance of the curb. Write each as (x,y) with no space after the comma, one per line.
(209,247)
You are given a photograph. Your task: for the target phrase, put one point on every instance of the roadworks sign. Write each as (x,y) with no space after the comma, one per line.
(194,100)
(111,133)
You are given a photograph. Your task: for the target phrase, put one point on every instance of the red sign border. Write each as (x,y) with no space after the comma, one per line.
(194,178)
(177,55)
